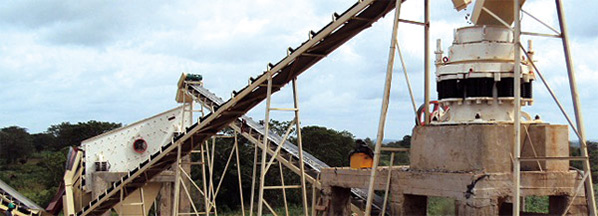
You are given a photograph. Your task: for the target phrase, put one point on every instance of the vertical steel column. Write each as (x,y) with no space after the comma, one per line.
(577,107)
(142,201)
(300,146)
(177,183)
(313,197)
(203,175)
(265,143)
(239,174)
(384,109)
(426,62)
(516,109)
(177,177)
(183,108)
(253,177)
(203,165)
(284,190)
(212,193)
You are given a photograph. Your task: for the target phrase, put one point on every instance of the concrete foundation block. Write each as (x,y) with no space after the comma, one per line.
(486,147)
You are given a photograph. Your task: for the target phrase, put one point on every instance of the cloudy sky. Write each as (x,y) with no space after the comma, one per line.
(119,61)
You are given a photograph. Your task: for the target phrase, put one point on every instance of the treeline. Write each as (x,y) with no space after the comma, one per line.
(34,164)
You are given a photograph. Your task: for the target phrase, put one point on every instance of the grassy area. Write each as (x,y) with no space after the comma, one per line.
(441,206)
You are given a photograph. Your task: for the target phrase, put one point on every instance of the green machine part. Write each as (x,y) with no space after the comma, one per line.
(193,77)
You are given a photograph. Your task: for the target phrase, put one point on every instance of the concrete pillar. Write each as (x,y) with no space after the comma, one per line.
(184,202)
(340,200)
(395,201)
(166,194)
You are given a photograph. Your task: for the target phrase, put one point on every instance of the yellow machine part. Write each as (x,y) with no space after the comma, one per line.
(16,212)
(360,160)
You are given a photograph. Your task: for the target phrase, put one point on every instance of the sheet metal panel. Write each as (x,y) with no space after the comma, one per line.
(116,146)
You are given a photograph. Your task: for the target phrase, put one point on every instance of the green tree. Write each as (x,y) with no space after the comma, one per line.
(38,178)
(53,164)
(574,150)
(43,141)
(15,143)
(280,127)
(401,158)
(328,145)
(68,134)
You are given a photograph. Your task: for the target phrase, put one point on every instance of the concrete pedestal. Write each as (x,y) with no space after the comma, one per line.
(474,193)
(487,147)
(471,164)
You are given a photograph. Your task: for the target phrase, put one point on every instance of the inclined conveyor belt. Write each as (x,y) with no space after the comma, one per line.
(311,161)
(24,205)
(344,27)
(211,100)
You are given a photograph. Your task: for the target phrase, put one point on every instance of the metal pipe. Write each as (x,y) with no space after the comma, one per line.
(517,109)
(212,193)
(193,183)
(265,143)
(284,190)
(497,17)
(230,157)
(284,139)
(207,202)
(553,95)
(412,22)
(387,188)
(540,34)
(177,183)
(577,107)
(384,109)
(300,147)
(407,78)
(313,200)
(188,196)
(239,174)
(143,207)
(427,62)
(531,144)
(253,176)
(585,177)
(270,208)
(540,21)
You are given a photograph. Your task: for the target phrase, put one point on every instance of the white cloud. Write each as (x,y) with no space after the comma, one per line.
(119,61)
